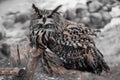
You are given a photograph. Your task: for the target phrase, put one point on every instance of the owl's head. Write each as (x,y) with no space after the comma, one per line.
(45,18)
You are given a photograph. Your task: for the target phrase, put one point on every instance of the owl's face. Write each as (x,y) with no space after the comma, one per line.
(45,19)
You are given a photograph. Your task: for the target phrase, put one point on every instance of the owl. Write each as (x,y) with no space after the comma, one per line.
(65,43)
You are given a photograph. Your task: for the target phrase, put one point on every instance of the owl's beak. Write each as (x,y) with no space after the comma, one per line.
(44,20)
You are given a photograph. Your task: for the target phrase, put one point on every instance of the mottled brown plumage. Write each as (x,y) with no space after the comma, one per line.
(65,43)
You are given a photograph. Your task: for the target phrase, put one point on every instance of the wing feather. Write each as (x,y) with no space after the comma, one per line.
(77,50)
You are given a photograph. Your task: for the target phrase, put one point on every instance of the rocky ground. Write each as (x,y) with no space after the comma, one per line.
(102,14)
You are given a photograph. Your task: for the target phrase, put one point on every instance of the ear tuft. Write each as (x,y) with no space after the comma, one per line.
(56,9)
(36,9)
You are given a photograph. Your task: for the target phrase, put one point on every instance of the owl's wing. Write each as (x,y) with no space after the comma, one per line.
(77,50)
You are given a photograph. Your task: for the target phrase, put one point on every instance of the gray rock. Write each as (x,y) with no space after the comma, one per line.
(70,14)
(106,17)
(107,1)
(4,51)
(2,30)
(96,20)
(22,17)
(81,6)
(115,12)
(81,12)
(94,6)
(107,7)
(8,21)
(2,33)
(85,20)
(108,43)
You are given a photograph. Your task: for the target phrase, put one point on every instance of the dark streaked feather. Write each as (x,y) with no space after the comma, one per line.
(70,45)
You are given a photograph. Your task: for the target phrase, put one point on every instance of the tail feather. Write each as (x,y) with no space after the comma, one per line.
(102,62)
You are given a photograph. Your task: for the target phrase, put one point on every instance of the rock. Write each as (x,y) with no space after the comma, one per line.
(2,34)
(2,30)
(26,25)
(16,32)
(70,14)
(94,6)
(106,17)
(96,15)
(108,43)
(2,1)
(26,28)
(107,7)
(104,2)
(96,20)
(85,20)
(22,17)
(112,24)
(115,11)
(4,50)
(81,12)
(81,6)
(8,21)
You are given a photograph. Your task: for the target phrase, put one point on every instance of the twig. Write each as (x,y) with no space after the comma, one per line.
(19,60)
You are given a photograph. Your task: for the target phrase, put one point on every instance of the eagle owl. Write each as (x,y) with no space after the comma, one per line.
(65,43)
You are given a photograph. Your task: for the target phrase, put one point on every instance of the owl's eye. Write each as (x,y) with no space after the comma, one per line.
(39,16)
(50,16)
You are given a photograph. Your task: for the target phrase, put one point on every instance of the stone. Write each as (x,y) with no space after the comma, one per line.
(1,34)
(85,20)
(107,7)
(81,6)
(94,6)
(108,42)
(112,24)
(106,17)
(115,11)
(16,32)
(96,20)
(22,17)
(2,30)
(81,13)
(4,50)
(104,2)
(81,10)
(69,14)
(8,21)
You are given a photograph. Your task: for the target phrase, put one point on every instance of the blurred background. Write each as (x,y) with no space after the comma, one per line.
(102,14)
